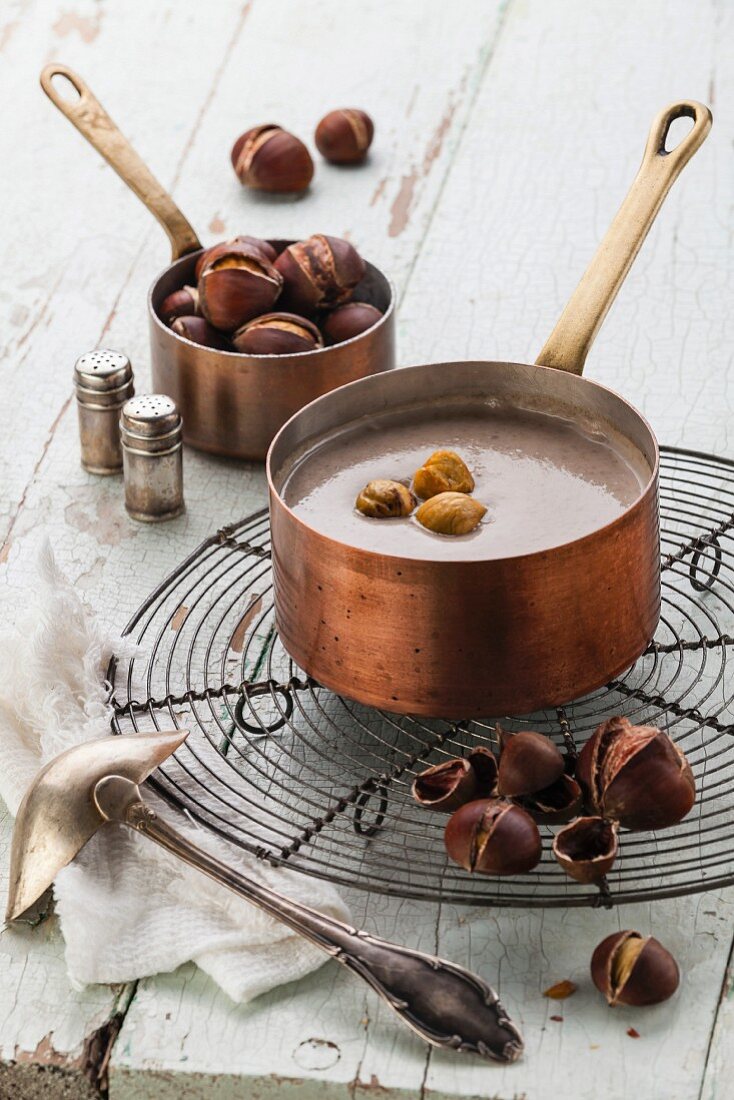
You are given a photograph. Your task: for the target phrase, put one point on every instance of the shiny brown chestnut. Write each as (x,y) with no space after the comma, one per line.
(349,320)
(587,848)
(247,244)
(556,804)
(630,969)
(493,837)
(344,136)
(237,285)
(529,762)
(451,784)
(277,334)
(319,272)
(635,775)
(268,158)
(199,331)
(182,303)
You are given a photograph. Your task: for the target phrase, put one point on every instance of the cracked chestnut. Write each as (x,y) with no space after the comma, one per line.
(245,243)
(319,272)
(199,331)
(349,320)
(277,334)
(182,303)
(635,775)
(268,158)
(344,136)
(451,784)
(237,285)
(529,762)
(587,848)
(556,804)
(493,837)
(630,969)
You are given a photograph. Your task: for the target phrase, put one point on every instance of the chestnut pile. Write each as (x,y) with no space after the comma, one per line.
(239,284)
(630,777)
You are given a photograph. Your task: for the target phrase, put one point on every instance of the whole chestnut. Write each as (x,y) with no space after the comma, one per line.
(635,775)
(451,514)
(277,334)
(631,970)
(384,498)
(182,303)
(587,848)
(236,285)
(319,272)
(349,320)
(529,762)
(493,837)
(442,472)
(344,136)
(268,158)
(199,331)
(247,244)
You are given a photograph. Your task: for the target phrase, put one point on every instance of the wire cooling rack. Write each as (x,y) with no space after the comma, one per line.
(300,776)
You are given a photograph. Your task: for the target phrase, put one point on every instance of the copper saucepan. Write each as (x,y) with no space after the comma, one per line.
(231,404)
(460,639)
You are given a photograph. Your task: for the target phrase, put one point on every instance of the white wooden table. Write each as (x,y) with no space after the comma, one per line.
(507,134)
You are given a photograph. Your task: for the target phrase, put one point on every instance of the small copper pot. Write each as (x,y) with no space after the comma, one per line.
(232,404)
(461,639)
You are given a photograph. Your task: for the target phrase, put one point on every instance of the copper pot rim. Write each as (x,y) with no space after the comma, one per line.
(605,530)
(272,360)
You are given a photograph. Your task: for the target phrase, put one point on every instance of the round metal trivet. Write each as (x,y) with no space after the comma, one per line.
(302,777)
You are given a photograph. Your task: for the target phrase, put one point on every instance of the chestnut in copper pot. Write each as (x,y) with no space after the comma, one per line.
(630,969)
(493,837)
(182,303)
(245,243)
(635,775)
(384,498)
(199,331)
(587,848)
(319,272)
(349,320)
(237,285)
(529,762)
(344,136)
(268,158)
(277,334)
(556,804)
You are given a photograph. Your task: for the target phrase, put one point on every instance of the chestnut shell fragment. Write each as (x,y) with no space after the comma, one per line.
(587,848)
(451,784)
(529,762)
(631,970)
(556,804)
(493,837)
(635,775)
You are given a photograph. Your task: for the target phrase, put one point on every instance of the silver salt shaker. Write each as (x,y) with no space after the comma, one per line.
(103,380)
(150,430)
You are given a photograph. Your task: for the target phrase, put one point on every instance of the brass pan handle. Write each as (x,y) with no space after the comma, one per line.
(91,120)
(569,343)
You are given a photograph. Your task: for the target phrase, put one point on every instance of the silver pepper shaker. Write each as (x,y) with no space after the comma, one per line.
(103,380)
(150,430)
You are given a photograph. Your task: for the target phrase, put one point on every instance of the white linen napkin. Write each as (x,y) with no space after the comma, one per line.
(127,908)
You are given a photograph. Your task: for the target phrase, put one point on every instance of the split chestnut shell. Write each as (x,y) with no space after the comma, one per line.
(632,970)
(635,775)
(451,784)
(493,837)
(587,848)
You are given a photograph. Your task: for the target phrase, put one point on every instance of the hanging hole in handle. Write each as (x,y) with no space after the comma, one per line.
(63,85)
(677,130)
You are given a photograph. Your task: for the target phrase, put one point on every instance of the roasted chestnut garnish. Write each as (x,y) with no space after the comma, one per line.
(443,472)
(635,775)
(529,762)
(277,334)
(493,837)
(451,784)
(182,303)
(385,499)
(319,272)
(555,804)
(633,970)
(236,285)
(587,848)
(451,514)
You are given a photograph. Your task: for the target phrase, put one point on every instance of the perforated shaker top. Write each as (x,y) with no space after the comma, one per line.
(102,369)
(150,415)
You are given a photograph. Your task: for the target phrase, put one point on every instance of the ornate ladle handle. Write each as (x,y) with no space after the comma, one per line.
(445,1004)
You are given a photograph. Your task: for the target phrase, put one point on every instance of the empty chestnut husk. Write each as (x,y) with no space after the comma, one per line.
(236,285)
(182,303)
(529,762)
(451,784)
(268,158)
(635,775)
(556,804)
(587,848)
(349,320)
(277,334)
(319,272)
(199,331)
(344,136)
(493,837)
(630,969)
